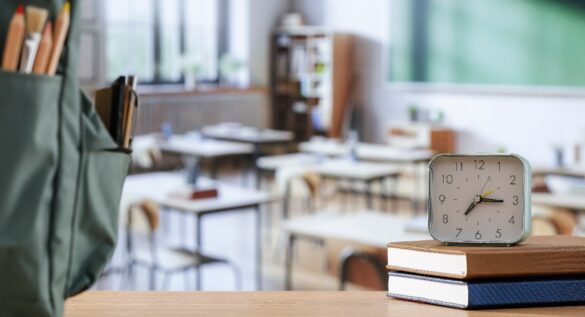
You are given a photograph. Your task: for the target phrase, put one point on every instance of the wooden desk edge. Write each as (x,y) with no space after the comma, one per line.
(276,304)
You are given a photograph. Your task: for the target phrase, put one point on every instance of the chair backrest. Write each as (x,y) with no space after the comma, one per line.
(143,219)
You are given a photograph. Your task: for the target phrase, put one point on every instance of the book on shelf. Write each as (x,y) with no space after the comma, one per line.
(537,256)
(489,293)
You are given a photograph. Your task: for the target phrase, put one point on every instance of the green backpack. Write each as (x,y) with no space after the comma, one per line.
(61,178)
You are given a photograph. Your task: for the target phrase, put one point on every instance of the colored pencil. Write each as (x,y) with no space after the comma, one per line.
(40,66)
(61,29)
(14,40)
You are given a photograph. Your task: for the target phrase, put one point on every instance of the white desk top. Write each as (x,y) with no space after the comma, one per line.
(368,228)
(247,134)
(385,153)
(325,147)
(159,186)
(275,162)
(573,202)
(560,171)
(205,148)
(355,170)
(367,151)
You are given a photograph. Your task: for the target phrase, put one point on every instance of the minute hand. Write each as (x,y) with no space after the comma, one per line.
(490,200)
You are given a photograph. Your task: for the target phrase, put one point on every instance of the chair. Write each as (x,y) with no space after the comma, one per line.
(367,269)
(143,219)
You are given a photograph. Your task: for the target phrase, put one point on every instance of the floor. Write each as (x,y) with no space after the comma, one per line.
(231,235)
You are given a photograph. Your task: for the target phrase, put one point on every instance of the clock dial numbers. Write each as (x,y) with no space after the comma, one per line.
(442,198)
(477,235)
(447,179)
(479,164)
(458,166)
(477,199)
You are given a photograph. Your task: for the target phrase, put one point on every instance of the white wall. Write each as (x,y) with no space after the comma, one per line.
(525,124)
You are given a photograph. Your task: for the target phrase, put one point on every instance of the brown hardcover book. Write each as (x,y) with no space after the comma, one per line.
(199,193)
(537,256)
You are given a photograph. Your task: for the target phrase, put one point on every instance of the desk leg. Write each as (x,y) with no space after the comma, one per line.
(198,244)
(369,203)
(345,195)
(394,194)
(258,247)
(415,180)
(255,158)
(386,192)
(286,199)
(288,262)
(214,169)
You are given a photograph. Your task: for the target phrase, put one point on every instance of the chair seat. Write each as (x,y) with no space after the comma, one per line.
(171,259)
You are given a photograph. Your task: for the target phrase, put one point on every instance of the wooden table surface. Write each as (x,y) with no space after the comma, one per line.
(242,304)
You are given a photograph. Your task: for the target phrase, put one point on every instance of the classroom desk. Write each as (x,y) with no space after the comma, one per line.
(375,153)
(368,152)
(249,135)
(363,172)
(211,150)
(539,171)
(572,202)
(367,228)
(338,170)
(252,136)
(159,186)
(268,165)
(274,162)
(275,304)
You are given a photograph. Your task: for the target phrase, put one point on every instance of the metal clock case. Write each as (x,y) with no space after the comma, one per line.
(479,199)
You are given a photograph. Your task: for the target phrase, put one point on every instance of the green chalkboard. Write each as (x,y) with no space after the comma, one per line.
(492,42)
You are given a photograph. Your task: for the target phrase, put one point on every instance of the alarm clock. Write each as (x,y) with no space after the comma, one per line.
(479,199)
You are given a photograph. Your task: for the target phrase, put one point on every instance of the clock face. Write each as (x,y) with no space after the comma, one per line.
(479,199)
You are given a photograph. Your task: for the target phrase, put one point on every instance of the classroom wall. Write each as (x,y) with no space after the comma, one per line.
(525,123)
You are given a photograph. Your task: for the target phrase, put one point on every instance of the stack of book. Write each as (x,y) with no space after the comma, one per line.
(543,270)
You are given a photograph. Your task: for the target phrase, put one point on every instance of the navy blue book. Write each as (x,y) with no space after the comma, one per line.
(488,293)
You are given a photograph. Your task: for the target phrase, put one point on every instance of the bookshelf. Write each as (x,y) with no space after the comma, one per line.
(310,77)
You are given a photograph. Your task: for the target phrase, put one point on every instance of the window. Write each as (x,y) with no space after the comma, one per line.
(160,40)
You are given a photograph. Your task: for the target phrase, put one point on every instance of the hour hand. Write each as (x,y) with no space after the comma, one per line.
(470,208)
(491,200)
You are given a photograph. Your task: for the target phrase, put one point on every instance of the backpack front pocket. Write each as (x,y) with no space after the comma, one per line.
(95,226)
(29,115)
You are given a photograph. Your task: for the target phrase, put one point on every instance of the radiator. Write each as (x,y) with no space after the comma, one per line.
(187,112)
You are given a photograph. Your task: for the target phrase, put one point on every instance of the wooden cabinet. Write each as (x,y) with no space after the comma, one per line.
(310,81)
